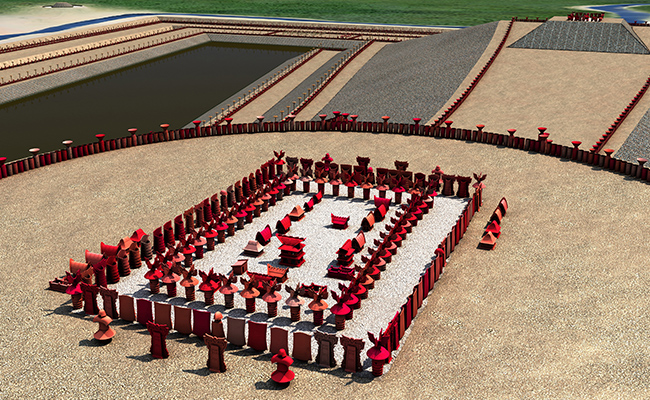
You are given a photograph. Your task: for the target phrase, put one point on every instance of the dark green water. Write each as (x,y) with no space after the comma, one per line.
(173,89)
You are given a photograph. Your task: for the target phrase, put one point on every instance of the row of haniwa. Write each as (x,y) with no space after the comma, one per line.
(118,260)
(493,229)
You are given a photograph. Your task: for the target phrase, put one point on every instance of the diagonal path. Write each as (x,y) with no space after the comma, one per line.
(281,90)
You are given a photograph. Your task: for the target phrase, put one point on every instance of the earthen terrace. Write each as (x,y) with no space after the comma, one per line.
(549,311)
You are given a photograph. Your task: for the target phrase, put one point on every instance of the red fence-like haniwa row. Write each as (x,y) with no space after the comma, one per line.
(329,79)
(119,52)
(91,47)
(243,25)
(542,145)
(72,36)
(600,144)
(457,103)
(267,87)
(395,330)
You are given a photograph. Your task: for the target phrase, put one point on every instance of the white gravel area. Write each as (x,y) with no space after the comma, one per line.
(321,243)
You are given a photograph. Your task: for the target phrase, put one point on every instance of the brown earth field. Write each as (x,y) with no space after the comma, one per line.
(576,95)
(557,310)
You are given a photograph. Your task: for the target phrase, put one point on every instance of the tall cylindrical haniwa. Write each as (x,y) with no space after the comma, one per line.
(123,263)
(639,171)
(67,144)
(134,138)
(221,232)
(153,276)
(3,167)
(34,162)
(165,132)
(318,306)
(228,292)
(378,354)
(511,138)
(146,250)
(294,303)
(170,279)
(188,251)
(198,244)
(385,118)
(100,274)
(231,222)
(135,260)
(340,310)
(112,272)
(189,282)
(100,141)
(197,128)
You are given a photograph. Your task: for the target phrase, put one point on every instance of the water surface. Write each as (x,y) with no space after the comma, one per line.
(173,89)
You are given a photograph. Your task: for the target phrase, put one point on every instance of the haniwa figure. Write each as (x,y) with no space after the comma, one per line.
(282,374)
(216,347)
(105,332)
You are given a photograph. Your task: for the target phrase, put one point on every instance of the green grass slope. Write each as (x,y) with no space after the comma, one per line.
(416,12)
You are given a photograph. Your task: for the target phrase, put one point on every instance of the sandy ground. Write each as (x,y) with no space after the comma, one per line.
(643,32)
(485,57)
(573,94)
(31,19)
(555,311)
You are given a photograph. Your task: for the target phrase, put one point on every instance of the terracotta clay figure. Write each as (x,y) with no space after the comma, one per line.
(318,305)
(216,347)
(210,283)
(189,282)
(228,289)
(378,354)
(294,302)
(158,339)
(217,325)
(250,293)
(271,297)
(74,290)
(105,332)
(282,374)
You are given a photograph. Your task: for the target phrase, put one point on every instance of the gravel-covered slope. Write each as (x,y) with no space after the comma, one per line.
(637,143)
(414,78)
(300,88)
(582,36)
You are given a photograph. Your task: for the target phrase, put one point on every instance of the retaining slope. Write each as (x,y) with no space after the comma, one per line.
(414,78)
(637,143)
(583,36)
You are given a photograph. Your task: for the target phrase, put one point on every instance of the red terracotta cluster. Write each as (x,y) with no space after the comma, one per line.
(363,281)
(345,254)
(265,286)
(105,267)
(216,218)
(291,251)
(591,17)
(493,230)
(180,241)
